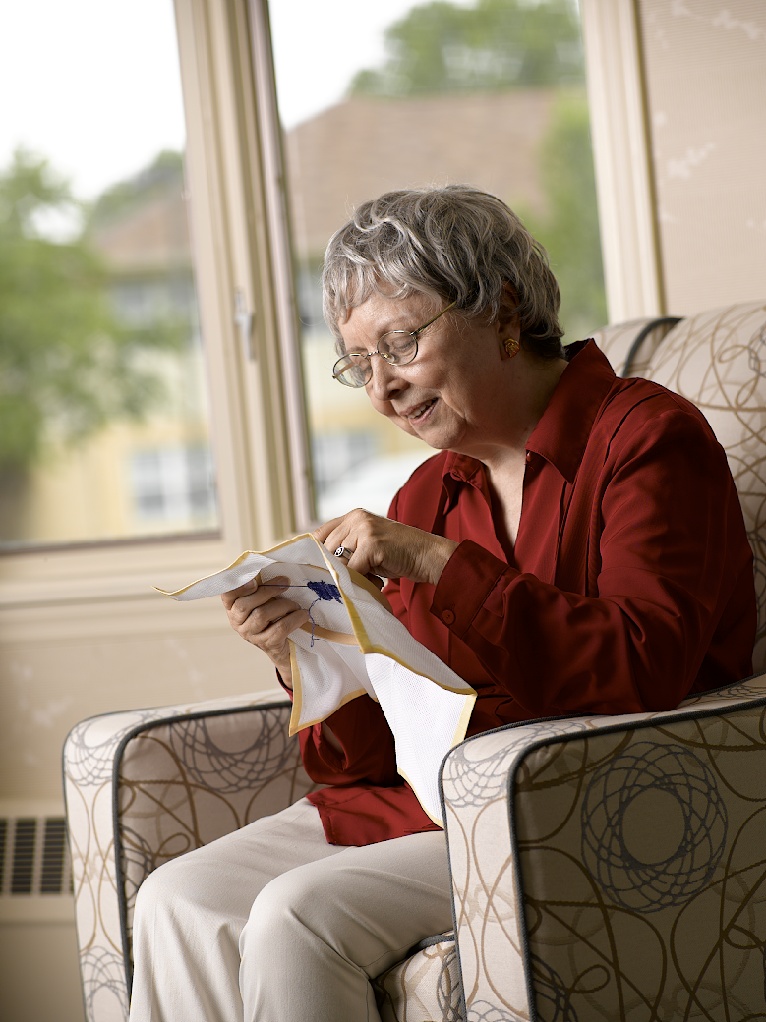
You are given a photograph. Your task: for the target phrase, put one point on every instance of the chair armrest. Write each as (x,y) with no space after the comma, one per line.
(144,786)
(589,854)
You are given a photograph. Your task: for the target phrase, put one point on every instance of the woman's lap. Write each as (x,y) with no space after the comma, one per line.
(302,912)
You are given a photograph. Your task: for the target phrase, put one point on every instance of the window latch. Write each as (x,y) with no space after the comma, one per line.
(243,319)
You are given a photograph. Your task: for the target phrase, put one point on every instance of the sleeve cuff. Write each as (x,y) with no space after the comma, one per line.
(289,691)
(468,578)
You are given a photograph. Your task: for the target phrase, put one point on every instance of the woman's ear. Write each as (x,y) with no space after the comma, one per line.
(508,324)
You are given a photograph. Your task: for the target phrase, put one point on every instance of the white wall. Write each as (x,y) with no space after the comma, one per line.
(705,81)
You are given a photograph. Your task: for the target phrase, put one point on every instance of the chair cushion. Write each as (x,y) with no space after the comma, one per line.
(425,987)
(717,360)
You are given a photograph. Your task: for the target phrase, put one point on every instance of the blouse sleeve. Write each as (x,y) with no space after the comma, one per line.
(675,561)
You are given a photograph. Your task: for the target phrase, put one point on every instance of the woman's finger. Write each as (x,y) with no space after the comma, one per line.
(389,549)
(324,531)
(272,635)
(258,590)
(274,641)
(228,598)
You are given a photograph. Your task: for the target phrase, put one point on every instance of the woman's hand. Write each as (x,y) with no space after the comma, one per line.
(378,546)
(262,616)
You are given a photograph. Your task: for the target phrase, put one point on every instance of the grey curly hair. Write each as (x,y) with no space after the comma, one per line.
(458,243)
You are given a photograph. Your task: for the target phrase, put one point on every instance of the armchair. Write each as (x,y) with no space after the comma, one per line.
(602,868)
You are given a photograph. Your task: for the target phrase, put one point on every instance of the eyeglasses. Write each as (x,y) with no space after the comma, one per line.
(396,347)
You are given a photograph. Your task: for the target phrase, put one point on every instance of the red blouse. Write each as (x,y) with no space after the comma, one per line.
(629,585)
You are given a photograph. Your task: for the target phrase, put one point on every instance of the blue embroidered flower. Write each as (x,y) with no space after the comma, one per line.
(325,591)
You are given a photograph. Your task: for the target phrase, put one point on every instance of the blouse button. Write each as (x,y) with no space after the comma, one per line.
(448,617)
(529,456)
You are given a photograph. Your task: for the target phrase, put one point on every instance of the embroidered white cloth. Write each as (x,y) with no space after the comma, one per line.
(354,645)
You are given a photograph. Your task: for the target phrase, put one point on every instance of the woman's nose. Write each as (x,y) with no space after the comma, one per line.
(385,380)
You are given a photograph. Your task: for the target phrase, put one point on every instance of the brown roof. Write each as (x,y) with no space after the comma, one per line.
(363,147)
(148,236)
(354,151)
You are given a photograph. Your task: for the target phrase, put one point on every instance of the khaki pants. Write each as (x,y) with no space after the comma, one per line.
(272,924)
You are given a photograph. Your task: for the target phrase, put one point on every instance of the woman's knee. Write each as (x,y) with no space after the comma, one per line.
(165,885)
(307,910)
(277,914)
(181,885)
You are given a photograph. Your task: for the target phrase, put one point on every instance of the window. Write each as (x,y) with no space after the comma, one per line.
(101,358)
(172,485)
(383,96)
(122,447)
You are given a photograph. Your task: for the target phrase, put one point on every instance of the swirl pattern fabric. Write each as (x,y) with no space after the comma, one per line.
(613,868)
(145,786)
(424,987)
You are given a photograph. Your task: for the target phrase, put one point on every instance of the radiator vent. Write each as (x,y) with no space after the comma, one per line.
(34,856)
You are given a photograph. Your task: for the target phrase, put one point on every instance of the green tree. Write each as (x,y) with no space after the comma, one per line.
(495,44)
(440,47)
(165,171)
(67,364)
(569,229)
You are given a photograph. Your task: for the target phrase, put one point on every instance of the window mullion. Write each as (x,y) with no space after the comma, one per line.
(259,443)
(624,183)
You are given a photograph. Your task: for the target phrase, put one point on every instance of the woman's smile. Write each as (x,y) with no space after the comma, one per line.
(420,412)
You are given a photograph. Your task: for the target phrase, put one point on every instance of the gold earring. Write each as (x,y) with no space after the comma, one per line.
(511,347)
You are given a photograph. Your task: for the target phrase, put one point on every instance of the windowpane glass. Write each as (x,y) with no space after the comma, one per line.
(374,97)
(103,404)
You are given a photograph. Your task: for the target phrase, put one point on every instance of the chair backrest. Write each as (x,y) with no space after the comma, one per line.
(717,360)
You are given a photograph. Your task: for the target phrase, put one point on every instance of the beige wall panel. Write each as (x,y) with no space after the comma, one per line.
(705,67)
(61,664)
(39,973)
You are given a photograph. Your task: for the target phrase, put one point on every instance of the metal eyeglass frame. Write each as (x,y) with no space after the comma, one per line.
(343,362)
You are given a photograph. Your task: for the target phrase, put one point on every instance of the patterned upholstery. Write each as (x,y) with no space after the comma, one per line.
(718,361)
(613,868)
(629,346)
(425,987)
(145,786)
(604,868)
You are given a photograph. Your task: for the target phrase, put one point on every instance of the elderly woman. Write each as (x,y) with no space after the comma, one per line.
(576,545)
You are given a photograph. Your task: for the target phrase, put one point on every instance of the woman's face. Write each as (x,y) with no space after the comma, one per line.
(454,395)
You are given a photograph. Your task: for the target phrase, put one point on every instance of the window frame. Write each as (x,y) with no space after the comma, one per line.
(240,246)
(246,289)
(622,158)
